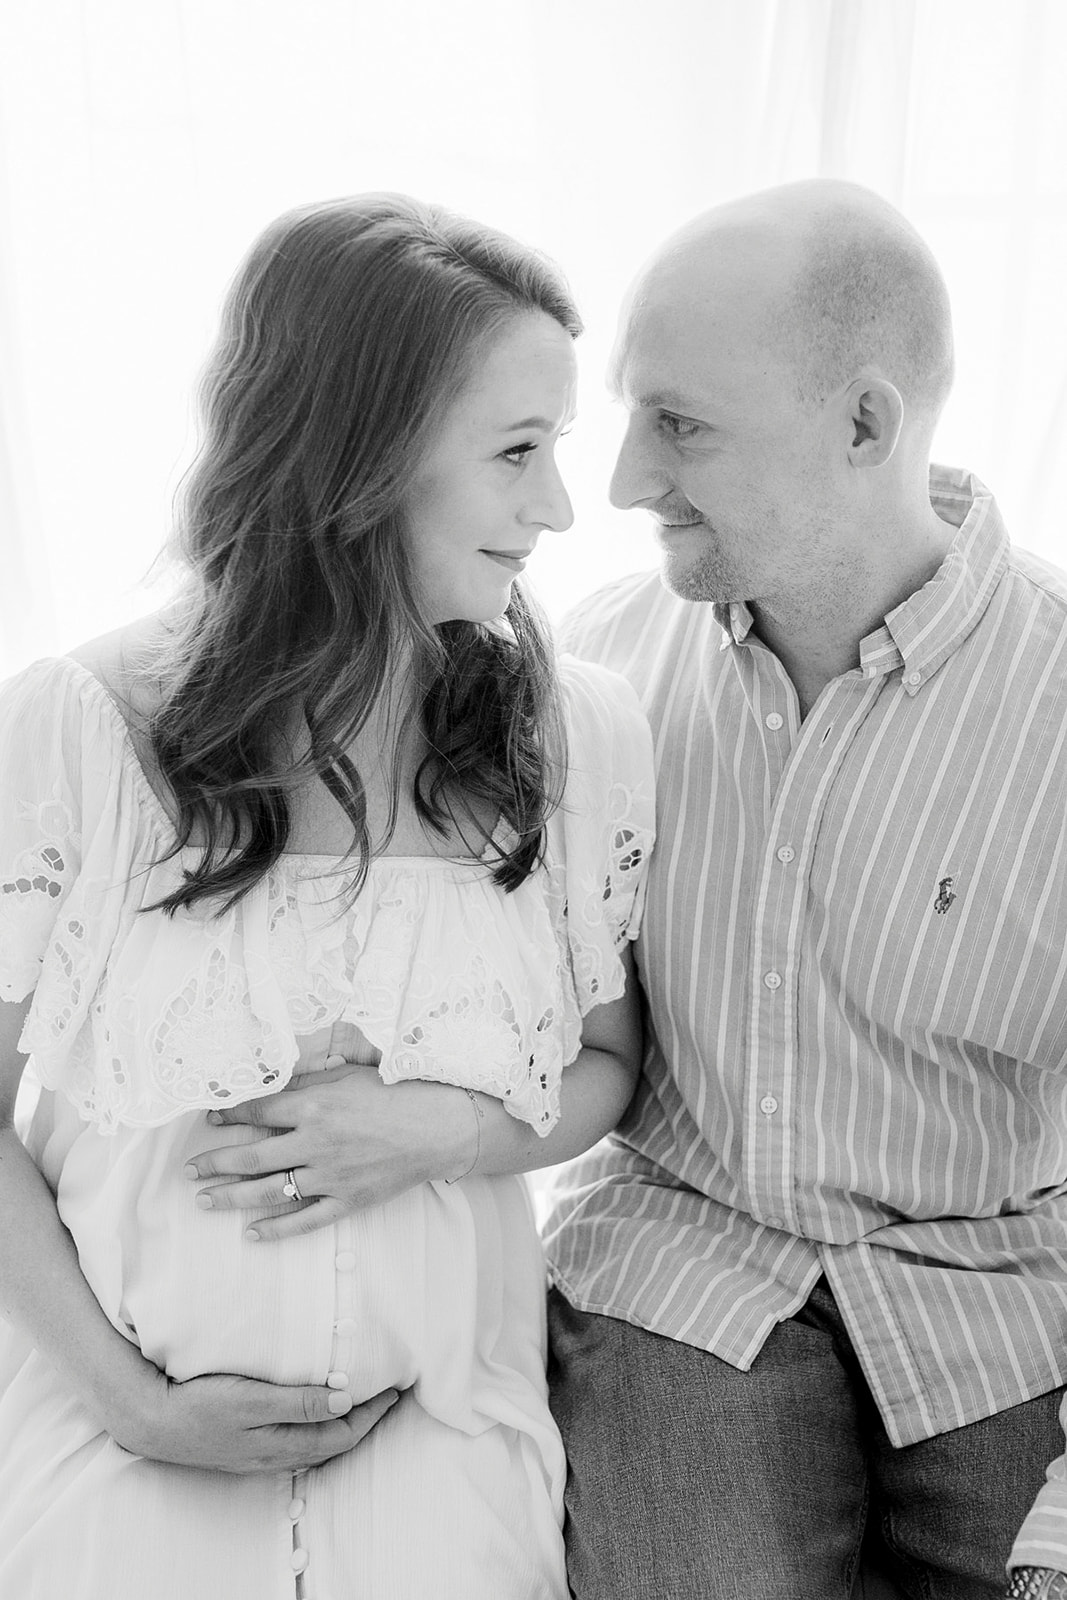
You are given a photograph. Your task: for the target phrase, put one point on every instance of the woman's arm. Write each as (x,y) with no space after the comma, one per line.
(227,1422)
(352,1140)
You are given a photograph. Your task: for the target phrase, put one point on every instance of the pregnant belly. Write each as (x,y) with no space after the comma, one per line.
(425,1290)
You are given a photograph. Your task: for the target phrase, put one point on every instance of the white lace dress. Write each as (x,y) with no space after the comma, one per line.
(142,1023)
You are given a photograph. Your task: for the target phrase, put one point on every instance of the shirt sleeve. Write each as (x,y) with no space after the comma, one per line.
(41,748)
(608,826)
(1042,1540)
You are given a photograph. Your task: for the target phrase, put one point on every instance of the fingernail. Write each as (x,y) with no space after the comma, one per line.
(250,1233)
(190,1171)
(215,1118)
(339,1403)
(204,1201)
(335,1061)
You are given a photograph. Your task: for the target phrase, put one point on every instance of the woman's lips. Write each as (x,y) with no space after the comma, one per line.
(514,560)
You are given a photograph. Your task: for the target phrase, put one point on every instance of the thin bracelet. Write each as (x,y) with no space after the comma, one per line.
(478,1129)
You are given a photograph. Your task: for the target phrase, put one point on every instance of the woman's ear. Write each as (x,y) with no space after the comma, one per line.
(875,415)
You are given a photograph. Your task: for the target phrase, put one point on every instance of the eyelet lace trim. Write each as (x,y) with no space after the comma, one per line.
(38,878)
(446,976)
(501,1012)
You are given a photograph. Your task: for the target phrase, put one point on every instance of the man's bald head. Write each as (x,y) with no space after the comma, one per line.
(829,278)
(782,360)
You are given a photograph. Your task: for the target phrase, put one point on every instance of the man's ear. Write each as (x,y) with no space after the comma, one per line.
(875,413)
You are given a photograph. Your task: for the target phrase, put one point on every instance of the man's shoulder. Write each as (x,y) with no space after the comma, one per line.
(1039,579)
(634,593)
(629,617)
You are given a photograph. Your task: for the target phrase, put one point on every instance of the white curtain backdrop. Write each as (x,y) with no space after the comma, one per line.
(142,145)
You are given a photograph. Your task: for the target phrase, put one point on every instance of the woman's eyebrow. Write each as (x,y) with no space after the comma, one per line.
(543,423)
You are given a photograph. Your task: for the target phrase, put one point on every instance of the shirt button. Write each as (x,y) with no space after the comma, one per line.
(345,1260)
(337,1380)
(914,678)
(776,1222)
(773,980)
(345,1328)
(296,1510)
(768,1105)
(299,1559)
(774,719)
(785,852)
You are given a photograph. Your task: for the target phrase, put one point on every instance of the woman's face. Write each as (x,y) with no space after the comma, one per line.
(490,482)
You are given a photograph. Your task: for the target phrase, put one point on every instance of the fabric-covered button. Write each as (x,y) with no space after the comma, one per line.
(776,1222)
(773,980)
(774,719)
(296,1510)
(337,1380)
(785,852)
(768,1105)
(345,1260)
(299,1559)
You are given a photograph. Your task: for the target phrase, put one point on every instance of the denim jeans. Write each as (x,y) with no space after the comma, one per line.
(689,1480)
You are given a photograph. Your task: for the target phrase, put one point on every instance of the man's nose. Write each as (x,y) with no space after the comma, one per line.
(637,477)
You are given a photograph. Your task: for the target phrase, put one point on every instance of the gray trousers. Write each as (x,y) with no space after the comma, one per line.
(689,1480)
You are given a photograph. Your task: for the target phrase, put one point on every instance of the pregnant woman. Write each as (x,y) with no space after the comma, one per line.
(334,804)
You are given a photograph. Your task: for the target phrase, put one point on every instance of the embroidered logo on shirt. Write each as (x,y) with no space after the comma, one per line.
(945,896)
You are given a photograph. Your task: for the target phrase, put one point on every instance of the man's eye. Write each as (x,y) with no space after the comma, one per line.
(677,427)
(516,453)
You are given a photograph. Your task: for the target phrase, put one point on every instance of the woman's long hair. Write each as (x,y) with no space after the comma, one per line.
(347,332)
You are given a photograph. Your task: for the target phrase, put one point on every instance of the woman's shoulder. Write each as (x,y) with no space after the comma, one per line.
(123,663)
(610,773)
(83,716)
(601,835)
(51,699)
(601,706)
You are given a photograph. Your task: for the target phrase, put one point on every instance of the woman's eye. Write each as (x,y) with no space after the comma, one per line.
(516,453)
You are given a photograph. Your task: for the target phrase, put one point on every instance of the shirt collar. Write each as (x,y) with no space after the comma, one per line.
(735,620)
(921,634)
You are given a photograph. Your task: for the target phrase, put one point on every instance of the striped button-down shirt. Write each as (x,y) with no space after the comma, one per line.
(854,949)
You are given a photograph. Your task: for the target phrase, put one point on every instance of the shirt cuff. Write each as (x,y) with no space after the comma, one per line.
(1042,1540)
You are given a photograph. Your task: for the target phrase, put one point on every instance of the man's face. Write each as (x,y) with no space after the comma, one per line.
(733,468)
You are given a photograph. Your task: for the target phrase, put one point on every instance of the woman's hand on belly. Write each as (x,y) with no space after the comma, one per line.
(226,1423)
(348,1139)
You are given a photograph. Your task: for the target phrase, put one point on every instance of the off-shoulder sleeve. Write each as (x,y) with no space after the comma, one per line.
(605,827)
(42,804)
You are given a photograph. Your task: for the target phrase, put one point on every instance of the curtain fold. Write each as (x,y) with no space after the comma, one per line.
(26,612)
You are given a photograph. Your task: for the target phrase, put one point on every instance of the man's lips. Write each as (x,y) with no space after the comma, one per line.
(671,527)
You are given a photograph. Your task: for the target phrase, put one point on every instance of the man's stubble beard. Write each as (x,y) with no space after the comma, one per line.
(704,578)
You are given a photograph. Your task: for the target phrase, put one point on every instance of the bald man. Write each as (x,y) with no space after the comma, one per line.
(813,1293)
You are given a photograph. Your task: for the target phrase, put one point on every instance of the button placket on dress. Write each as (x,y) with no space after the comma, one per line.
(342,1350)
